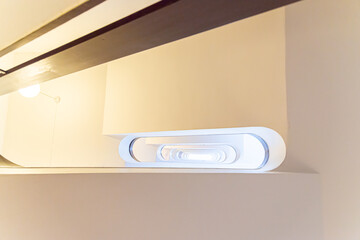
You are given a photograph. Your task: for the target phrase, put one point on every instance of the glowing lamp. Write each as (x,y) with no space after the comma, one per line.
(31,91)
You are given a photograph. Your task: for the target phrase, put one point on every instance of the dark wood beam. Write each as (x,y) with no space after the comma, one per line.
(161,23)
(51,25)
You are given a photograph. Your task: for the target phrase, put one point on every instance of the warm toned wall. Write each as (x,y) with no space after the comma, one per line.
(232,76)
(21,17)
(160,207)
(3,117)
(229,77)
(323,59)
(41,133)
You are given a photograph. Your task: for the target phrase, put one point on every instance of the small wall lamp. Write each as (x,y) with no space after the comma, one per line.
(34,90)
(31,91)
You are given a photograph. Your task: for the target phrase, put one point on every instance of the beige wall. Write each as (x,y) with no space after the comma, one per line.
(232,76)
(323,59)
(160,207)
(41,133)
(3,117)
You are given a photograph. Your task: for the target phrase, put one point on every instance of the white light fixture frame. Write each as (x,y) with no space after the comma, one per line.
(273,146)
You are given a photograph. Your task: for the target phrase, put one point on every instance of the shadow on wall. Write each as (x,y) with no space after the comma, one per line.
(7,163)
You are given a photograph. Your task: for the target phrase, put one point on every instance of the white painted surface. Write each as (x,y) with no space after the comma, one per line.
(323,71)
(232,76)
(160,206)
(41,133)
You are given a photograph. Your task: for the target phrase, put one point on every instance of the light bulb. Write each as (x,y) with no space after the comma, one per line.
(31,91)
(198,156)
(204,152)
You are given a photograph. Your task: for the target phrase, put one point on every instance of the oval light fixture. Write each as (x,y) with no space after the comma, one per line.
(249,149)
